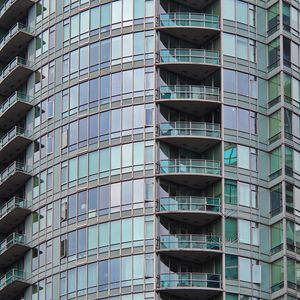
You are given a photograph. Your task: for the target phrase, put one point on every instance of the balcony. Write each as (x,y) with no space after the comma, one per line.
(192,27)
(194,63)
(192,99)
(193,210)
(12,144)
(12,249)
(196,173)
(194,136)
(190,285)
(13,109)
(12,284)
(15,42)
(14,75)
(192,247)
(13,178)
(13,11)
(12,213)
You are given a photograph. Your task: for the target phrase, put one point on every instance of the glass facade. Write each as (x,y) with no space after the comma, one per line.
(149,150)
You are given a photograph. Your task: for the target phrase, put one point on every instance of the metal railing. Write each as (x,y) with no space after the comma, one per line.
(190,92)
(190,203)
(15,131)
(13,239)
(11,169)
(195,280)
(12,204)
(197,56)
(190,241)
(11,276)
(189,19)
(13,31)
(18,61)
(198,129)
(192,166)
(16,96)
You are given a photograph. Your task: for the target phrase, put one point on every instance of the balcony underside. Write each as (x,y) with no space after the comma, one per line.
(193,255)
(190,293)
(193,107)
(13,218)
(195,35)
(192,3)
(196,71)
(13,183)
(12,254)
(13,148)
(13,290)
(197,181)
(14,114)
(14,79)
(16,11)
(196,144)
(15,45)
(196,218)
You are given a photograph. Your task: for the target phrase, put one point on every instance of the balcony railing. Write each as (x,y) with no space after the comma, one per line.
(11,204)
(196,56)
(13,31)
(188,280)
(16,131)
(190,241)
(190,203)
(190,166)
(12,168)
(13,239)
(193,129)
(10,277)
(189,19)
(189,92)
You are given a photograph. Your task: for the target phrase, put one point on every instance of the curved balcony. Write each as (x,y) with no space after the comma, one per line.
(12,213)
(12,249)
(15,42)
(13,11)
(194,63)
(192,99)
(13,178)
(14,75)
(194,136)
(13,109)
(12,284)
(192,247)
(196,173)
(194,210)
(190,285)
(13,143)
(192,27)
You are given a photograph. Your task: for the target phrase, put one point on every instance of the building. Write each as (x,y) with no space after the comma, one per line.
(150,150)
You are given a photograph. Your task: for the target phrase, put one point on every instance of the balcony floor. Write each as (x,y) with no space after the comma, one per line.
(13,218)
(13,148)
(196,144)
(196,71)
(13,183)
(15,12)
(15,45)
(14,114)
(192,34)
(12,254)
(13,290)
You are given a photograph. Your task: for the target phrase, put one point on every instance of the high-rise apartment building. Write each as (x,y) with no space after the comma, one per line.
(150,150)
